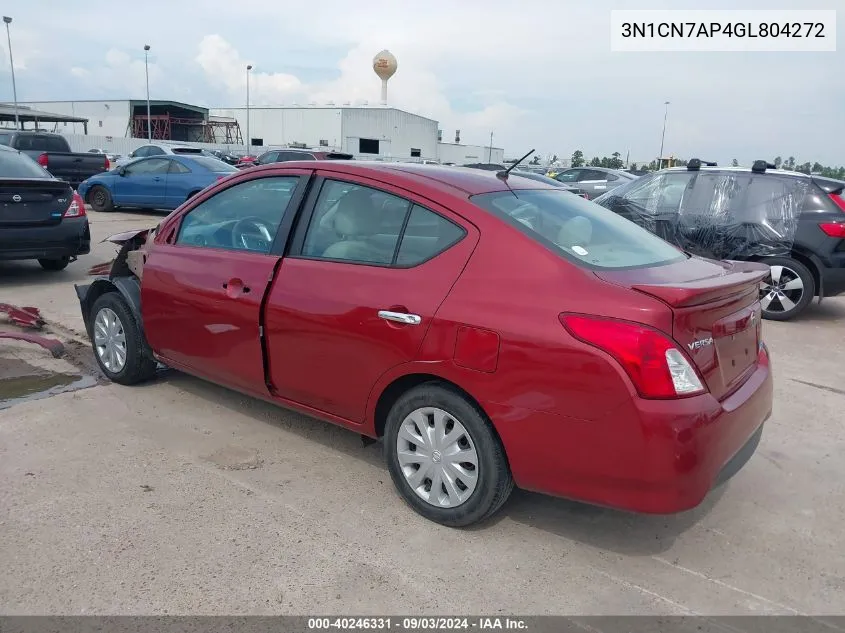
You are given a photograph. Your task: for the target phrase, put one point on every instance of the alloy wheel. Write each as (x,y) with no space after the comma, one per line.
(782,290)
(110,340)
(437,457)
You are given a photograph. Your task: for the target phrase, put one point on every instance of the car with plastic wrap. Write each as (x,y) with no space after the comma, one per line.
(491,330)
(41,217)
(159,182)
(790,221)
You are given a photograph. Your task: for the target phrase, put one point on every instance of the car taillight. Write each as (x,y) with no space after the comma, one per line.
(43,160)
(838,200)
(655,364)
(834,229)
(108,164)
(76,208)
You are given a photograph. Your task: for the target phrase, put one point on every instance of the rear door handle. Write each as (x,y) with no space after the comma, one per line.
(400,317)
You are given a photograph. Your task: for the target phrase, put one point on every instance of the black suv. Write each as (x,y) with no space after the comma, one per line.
(791,221)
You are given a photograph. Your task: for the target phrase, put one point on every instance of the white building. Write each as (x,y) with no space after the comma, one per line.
(370,132)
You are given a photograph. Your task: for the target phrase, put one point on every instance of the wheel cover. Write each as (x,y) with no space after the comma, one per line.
(782,290)
(100,198)
(437,457)
(110,340)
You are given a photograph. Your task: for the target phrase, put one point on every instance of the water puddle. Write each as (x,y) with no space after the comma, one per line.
(25,388)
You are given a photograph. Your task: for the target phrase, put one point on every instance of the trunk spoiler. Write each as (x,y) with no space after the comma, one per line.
(739,280)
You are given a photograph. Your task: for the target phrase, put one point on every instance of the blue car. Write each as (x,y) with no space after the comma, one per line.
(158,182)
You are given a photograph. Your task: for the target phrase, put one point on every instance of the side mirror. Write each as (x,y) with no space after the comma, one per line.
(121,171)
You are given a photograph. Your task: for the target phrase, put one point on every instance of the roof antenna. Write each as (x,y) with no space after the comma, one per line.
(504,174)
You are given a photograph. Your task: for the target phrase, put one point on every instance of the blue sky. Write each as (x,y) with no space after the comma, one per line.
(539,75)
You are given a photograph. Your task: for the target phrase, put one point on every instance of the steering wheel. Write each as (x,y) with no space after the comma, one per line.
(252,227)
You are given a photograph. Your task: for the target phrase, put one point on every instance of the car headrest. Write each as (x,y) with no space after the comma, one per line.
(356,215)
(575,232)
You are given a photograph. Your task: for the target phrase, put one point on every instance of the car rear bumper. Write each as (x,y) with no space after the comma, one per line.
(833,279)
(650,456)
(69,238)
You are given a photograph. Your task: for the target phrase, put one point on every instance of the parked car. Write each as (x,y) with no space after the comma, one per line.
(41,217)
(246,160)
(226,157)
(491,331)
(160,182)
(285,155)
(594,181)
(790,221)
(52,152)
(549,181)
(162,149)
(113,158)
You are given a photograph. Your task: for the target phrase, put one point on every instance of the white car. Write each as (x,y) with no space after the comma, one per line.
(161,149)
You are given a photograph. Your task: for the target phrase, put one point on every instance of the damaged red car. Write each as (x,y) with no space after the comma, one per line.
(492,331)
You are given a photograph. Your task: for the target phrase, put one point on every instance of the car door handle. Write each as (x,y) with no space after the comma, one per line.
(400,317)
(157,178)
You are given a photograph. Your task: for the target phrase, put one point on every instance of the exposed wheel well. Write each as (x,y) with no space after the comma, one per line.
(399,386)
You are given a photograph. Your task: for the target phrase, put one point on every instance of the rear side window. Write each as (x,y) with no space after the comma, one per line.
(581,231)
(15,165)
(426,235)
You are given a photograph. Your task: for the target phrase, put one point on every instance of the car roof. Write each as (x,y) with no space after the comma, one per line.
(466,180)
(777,172)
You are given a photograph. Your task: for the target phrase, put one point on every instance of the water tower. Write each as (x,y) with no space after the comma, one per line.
(384,65)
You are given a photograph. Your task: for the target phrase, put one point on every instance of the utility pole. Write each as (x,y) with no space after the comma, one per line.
(248,139)
(490,153)
(8,21)
(663,136)
(147,73)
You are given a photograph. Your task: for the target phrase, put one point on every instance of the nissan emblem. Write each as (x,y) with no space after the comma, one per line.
(16,198)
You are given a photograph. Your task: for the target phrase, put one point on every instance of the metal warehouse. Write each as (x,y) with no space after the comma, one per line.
(375,132)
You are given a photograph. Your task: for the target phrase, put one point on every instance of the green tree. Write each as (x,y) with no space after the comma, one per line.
(790,162)
(778,162)
(535,160)
(616,161)
(596,162)
(554,158)
(817,167)
(652,166)
(577,158)
(804,168)
(633,166)
(734,163)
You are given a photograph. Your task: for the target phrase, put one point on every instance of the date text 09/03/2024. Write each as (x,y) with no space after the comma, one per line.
(416,623)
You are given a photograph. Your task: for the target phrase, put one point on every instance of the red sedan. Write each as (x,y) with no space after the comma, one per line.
(492,330)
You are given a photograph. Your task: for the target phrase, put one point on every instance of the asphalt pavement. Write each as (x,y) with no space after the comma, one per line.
(182,497)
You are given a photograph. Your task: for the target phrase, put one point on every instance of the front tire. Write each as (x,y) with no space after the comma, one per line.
(444,457)
(100,199)
(118,344)
(788,289)
(54,264)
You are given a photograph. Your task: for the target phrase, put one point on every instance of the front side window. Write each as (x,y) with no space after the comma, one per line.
(570,175)
(243,217)
(591,175)
(581,231)
(150,166)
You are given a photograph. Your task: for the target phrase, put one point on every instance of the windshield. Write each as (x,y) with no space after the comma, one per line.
(581,231)
(213,164)
(16,165)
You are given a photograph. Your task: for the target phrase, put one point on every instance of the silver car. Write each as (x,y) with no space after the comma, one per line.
(594,181)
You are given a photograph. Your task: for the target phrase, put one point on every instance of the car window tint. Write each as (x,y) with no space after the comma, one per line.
(579,230)
(355,223)
(269,157)
(570,175)
(149,166)
(141,152)
(178,168)
(591,174)
(17,165)
(5,139)
(611,177)
(426,235)
(245,216)
(155,151)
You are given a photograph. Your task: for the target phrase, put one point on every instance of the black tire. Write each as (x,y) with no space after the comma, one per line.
(54,264)
(139,365)
(494,483)
(791,270)
(100,199)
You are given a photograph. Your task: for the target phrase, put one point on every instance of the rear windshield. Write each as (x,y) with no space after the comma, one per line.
(579,230)
(41,143)
(213,164)
(5,138)
(16,165)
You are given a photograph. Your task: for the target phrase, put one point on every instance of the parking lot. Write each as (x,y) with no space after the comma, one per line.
(181,497)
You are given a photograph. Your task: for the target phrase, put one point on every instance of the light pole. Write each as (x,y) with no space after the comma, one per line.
(248,140)
(490,153)
(8,21)
(663,136)
(147,73)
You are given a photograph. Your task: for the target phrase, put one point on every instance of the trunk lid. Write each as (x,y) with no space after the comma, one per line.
(25,202)
(716,313)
